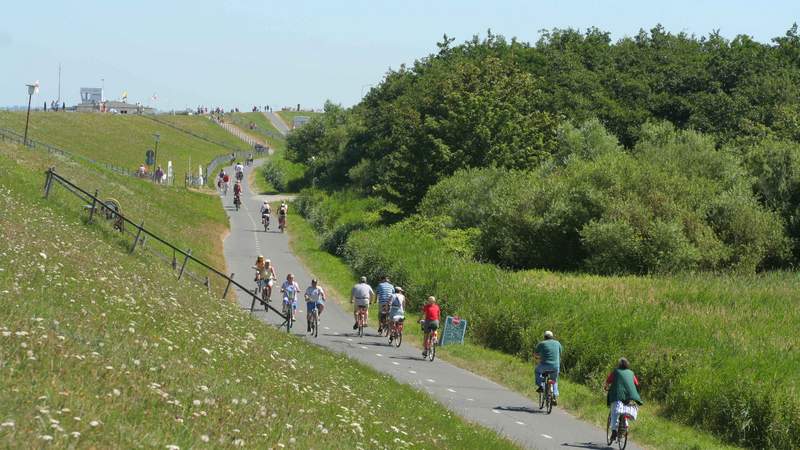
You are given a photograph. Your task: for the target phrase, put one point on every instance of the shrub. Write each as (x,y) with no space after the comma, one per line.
(285,176)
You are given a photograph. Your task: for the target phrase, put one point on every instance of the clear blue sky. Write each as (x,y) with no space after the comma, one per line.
(245,52)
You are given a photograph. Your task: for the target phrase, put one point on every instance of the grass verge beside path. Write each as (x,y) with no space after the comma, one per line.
(101,349)
(650,430)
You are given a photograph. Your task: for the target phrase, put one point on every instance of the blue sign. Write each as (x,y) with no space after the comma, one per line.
(454,330)
(150,157)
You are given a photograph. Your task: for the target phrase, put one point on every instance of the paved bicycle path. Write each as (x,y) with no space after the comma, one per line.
(277,122)
(471,396)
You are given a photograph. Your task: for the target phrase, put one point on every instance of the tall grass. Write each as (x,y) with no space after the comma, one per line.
(720,351)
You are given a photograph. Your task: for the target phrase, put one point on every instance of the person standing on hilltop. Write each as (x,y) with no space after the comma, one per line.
(548,356)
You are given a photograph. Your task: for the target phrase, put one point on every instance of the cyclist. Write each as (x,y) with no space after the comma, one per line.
(265,273)
(265,212)
(226,181)
(396,307)
(384,292)
(239,169)
(282,215)
(290,288)
(621,385)
(315,299)
(548,357)
(430,314)
(361,296)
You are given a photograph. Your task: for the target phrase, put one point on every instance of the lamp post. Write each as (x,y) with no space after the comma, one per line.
(155,160)
(31,91)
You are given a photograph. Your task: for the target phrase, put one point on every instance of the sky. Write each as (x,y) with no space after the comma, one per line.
(240,53)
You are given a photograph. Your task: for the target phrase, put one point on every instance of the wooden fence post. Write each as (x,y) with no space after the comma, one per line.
(174,261)
(185,260)
(230,279)
(48,182)
(136,239)
(208,285)
(94,205)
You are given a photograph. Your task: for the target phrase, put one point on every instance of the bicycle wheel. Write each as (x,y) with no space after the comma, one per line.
(541,400)
(316,323)
(398,339)
(549,397)
(432,351)
(608,430)
(622,434)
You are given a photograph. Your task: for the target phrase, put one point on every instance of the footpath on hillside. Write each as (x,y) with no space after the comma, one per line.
(473,397)
(277,122)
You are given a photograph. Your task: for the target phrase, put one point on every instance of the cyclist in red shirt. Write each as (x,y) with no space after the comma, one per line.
(430,313)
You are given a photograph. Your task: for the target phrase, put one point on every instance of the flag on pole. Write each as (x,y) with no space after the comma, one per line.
(36,87)
(125,96)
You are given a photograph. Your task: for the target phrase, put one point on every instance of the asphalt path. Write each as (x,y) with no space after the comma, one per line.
(279,124)
(473,397)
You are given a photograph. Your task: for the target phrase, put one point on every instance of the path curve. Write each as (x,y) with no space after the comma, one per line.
(473,397)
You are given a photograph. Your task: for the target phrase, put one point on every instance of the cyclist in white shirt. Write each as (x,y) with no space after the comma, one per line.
(290,289)
(315,299)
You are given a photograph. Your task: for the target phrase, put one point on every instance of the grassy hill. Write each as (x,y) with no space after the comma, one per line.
(264,129)
(101,349)
(288,116)
(123,140)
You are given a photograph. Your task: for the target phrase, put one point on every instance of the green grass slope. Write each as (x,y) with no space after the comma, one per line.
(101,349)
(288,116)
(165,210)
(122,140)
(264,129)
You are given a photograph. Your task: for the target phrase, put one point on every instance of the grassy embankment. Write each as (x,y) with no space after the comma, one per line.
(584,400)
(123,139)
(105,350)
(288,116)
(264,130)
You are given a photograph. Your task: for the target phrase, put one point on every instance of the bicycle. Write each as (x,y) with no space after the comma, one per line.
(265,221)
(622,430)
(430,343)
(282,222)
(396,333)
(313,321)
(237,201)
(361,320)
(546,396)
(386,323)
(287,312)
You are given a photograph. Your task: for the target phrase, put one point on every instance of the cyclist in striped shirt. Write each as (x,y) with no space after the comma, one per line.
(384,292)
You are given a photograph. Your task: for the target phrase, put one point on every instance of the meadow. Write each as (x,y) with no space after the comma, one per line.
(122,140)
(288,116)
(717,351)
(103,349)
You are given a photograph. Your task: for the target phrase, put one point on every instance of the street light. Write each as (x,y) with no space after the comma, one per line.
(155,160)
(32,88)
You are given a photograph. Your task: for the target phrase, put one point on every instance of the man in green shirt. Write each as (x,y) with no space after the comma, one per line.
(548,358)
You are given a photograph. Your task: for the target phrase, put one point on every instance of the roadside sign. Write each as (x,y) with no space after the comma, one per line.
(150,157)
(455,328)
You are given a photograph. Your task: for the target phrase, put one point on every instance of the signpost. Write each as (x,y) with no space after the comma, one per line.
(454,330)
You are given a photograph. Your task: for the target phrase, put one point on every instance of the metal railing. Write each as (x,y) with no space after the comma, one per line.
(96,207)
